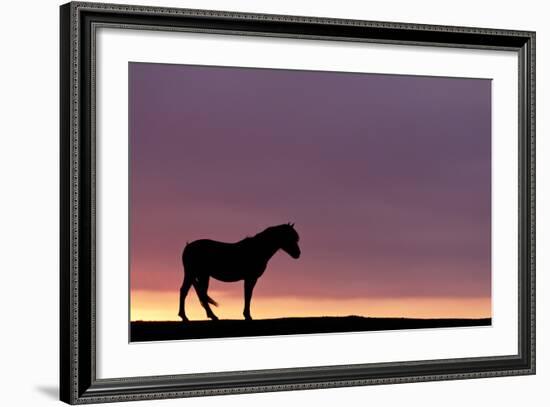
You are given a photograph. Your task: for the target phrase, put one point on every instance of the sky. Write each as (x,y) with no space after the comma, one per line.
(387,178)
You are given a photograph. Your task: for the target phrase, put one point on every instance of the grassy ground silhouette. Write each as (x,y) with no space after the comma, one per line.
(143,331)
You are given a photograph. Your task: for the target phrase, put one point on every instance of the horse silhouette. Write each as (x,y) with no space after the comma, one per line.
(244,260)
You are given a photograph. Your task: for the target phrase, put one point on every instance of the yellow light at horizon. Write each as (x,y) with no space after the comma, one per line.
(163,306)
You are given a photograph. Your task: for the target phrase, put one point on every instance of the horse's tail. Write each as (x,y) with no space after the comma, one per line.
(203,296)
(211,301)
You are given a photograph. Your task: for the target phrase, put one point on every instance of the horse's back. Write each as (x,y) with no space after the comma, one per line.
(205,252)
(223,261)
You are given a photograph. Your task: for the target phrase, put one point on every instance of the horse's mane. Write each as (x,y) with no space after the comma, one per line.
(268,232)
(247,239)
(275,232)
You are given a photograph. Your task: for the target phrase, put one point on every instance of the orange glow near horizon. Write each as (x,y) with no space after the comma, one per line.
(163,306)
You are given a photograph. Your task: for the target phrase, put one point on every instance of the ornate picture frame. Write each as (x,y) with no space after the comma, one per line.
(79,381)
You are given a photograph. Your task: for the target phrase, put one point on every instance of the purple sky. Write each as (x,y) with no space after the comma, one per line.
(387,177)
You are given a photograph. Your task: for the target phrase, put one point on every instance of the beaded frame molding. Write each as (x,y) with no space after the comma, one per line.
(78,381)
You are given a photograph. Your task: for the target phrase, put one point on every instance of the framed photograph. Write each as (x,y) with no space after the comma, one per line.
(255,203)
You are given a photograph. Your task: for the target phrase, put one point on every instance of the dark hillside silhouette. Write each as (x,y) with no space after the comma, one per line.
(141,331)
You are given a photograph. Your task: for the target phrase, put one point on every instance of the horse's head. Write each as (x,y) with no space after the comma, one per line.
(288,240)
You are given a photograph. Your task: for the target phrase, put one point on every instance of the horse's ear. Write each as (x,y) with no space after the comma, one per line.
(291,224)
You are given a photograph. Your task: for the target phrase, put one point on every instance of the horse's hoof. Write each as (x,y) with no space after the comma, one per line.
(184,319)
(214,318)
(247,318)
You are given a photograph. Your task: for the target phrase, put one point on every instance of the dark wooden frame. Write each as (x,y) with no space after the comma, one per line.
(78,382)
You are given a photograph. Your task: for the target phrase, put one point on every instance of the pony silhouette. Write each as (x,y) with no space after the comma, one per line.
(244,260)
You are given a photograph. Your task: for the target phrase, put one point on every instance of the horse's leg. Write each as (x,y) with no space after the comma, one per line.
(248,287)
(201,286)
(187,282)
